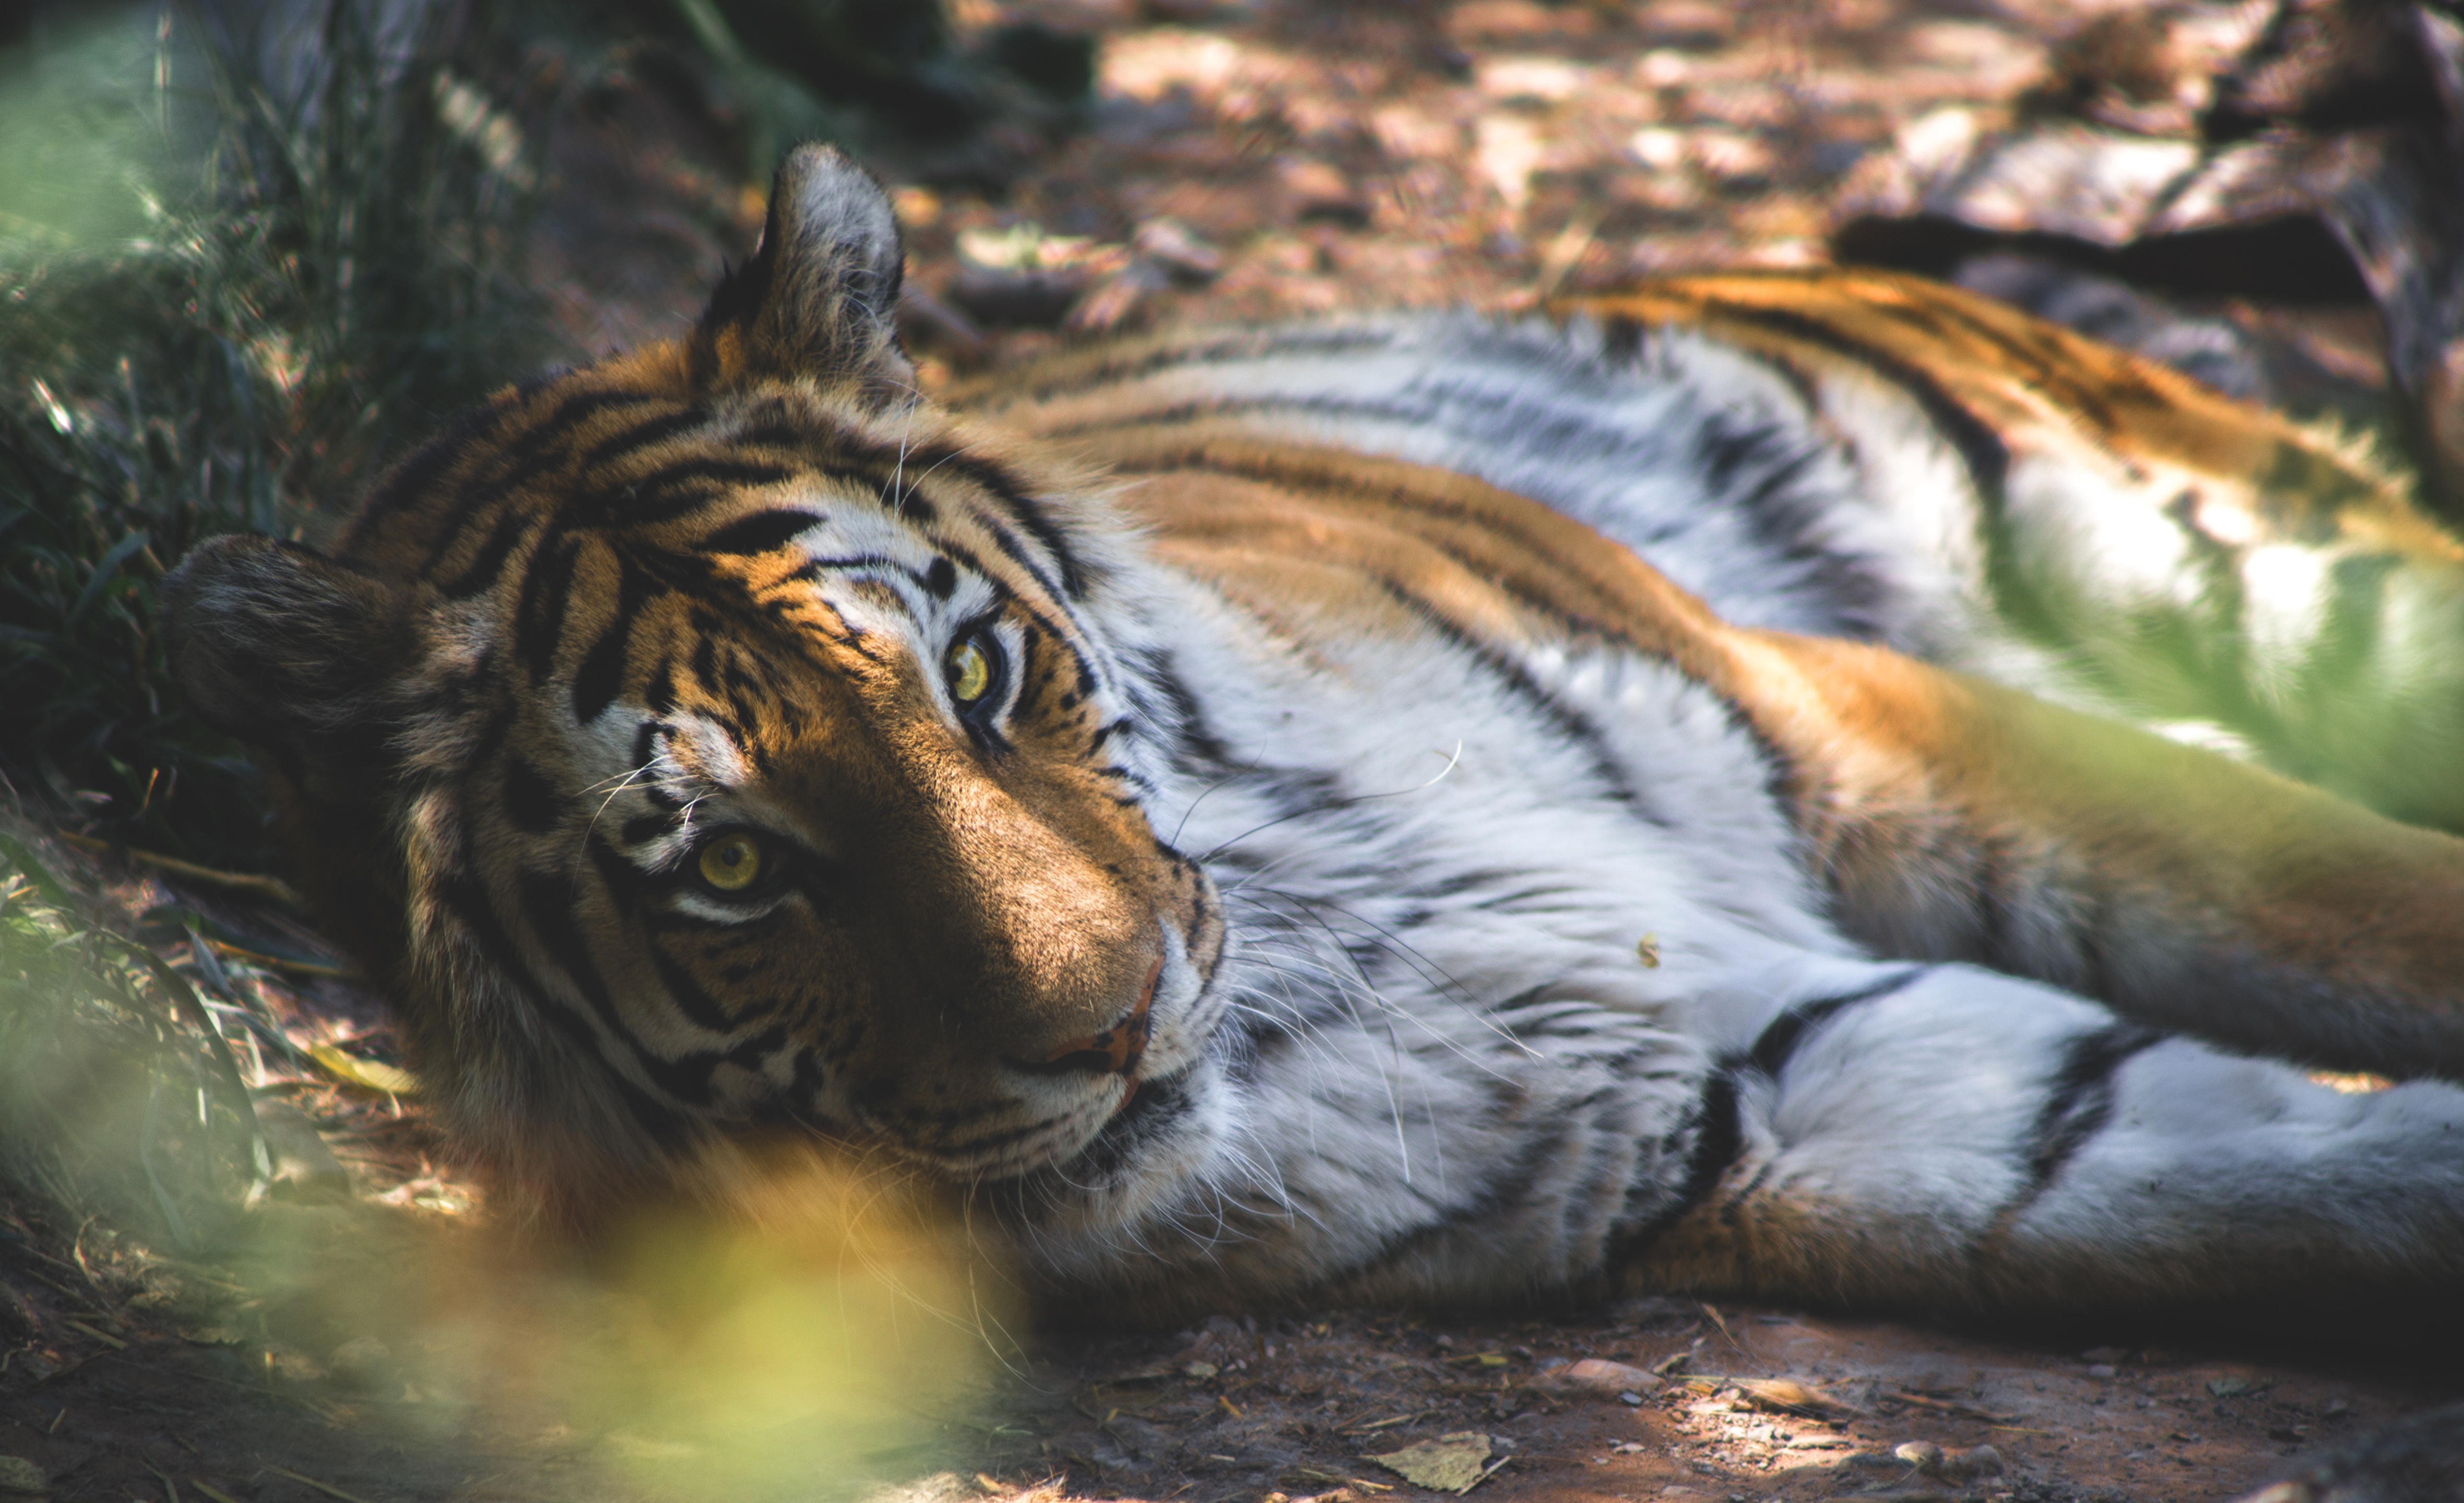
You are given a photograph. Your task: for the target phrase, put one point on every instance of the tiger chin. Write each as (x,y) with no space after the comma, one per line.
(1416,809)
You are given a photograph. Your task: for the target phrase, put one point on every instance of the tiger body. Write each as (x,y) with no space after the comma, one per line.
(1412,810)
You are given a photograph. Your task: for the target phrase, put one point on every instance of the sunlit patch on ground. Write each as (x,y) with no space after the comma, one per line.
(2349,1083)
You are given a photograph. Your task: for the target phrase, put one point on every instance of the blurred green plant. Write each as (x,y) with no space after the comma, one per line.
(118,1097)
(236,274)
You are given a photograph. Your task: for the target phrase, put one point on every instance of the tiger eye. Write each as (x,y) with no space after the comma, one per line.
(732,863)
(970,671)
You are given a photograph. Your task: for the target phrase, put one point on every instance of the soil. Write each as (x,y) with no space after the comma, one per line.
(371,1336)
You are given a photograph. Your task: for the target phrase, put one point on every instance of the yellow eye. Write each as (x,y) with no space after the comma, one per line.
(732,863)
(970,671)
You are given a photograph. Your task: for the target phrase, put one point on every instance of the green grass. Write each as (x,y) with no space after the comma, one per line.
(118,1097)
(226,302)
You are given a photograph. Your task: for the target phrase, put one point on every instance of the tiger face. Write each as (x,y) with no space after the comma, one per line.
(719,736)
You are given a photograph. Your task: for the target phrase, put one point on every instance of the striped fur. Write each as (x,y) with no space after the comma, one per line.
(1261,923)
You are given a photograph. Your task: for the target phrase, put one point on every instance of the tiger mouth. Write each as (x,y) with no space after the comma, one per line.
(1149,1109)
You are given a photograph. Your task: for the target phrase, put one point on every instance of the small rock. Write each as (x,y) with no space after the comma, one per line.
(18,1475)
(1976,1461)
(1202,1371)
(2101,1370)
(1600,1379)
(1954,1464)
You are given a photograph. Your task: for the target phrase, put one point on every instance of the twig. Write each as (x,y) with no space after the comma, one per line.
(271,886)
(1379,1424)
(327,1488)
(1725,1332)
(282,962)
(105,1337)
(1951,1407)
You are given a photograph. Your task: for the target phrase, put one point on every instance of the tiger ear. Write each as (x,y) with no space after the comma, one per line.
(820,297)
(287,651)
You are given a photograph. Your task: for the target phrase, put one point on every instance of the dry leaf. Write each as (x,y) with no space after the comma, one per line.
(365,1074)
(1449,1464)
(17,1475)
(1788,1394)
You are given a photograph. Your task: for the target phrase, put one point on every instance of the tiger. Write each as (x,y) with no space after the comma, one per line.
(1807,787)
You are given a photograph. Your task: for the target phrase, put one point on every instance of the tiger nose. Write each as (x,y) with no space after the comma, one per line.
(1115,1052)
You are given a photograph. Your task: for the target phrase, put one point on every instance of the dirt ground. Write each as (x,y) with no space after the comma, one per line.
(1243,160)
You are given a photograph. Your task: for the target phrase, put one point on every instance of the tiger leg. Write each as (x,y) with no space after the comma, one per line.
(1955,820)
(1956,1141)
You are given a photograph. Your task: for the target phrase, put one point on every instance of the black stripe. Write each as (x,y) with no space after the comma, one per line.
(1718,1131)
(490,560)
(2078,1100)
(1980,449)
(538,619)
(1223,351)
(425,466)
(601,673)
(549,901)
(1572,724)
(531,452)
(531,800)
(688,997)
(1014,502)
(571,413)
(1780,1038)
(760,532)
(469,903)
(672,491)
(642,435)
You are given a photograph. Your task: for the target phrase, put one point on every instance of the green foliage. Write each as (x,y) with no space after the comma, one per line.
(235,279)
(117,1096)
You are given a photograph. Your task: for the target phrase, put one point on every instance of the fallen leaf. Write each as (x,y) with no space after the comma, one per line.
(1449,1464)
(365,1074)
(17,1475)
(1600,1377)
(1790,1396)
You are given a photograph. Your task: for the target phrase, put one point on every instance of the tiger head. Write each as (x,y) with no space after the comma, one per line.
(721,736)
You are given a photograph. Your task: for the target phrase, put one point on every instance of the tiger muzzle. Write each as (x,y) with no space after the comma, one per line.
(1115,1052)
